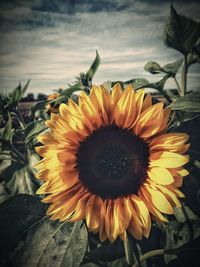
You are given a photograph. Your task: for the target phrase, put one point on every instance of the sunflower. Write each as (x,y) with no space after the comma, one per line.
(50,107)
(109,161)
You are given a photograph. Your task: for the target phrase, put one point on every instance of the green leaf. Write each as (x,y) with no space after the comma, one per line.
(52,243)
(119,263)
(34,128)
(17,214)
(15,96)
(5,161)
(89,264)
(181,33)
(4,195)
(191,183)
(39,106)
(23,182)
(153,241)
(187,116)
(29,127)
(188,103)
(8,168)
(197,164)
(191,190)
(66,93)
(107,251)
(129,252)
(158,85)
(7,132)
(93,68)
(172,68)
(187,255)
(23,91)
(194,56)
(137,83)
(153,67)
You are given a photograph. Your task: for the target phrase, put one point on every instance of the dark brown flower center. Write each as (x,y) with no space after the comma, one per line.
(112,162)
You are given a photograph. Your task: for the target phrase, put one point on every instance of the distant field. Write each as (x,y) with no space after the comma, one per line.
(27,105)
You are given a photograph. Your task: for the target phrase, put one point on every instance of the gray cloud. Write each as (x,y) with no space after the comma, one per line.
(52,44)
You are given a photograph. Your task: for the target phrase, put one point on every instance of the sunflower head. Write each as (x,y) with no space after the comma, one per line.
(109,160)
(51,108)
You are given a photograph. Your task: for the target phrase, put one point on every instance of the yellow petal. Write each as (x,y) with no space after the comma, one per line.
(92,212)
(178,178)
(182,172)
(64,195)
(123,235)
(74,109)
(79,213)
(69,177)
(142,211)
(178,181)
(147,102)
(139,98)
(47,139)
(124,113)
(51,123)
(170,195)
(122,214)
(135,227)
(165,120)
(176,191)
(102,230)
(167,159)
(143,194)
(52,186)
(42,174)
(149,121)
(116,93)
(109,220)
(110,226)
(169,141)
(66,156)
(89,111)
(183,149)
(159,201)
(160,175)
(41,150)
(63,110)
(101,99)
(68,207)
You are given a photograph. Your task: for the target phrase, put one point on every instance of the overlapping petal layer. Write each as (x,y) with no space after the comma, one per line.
(112,217)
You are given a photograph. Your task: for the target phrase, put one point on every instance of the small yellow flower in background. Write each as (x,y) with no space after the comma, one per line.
(109,161)
(50,107)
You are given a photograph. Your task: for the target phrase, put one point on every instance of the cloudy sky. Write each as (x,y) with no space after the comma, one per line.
(51,42)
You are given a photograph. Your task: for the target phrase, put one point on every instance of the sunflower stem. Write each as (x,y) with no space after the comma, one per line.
(130,258)
(153,253)
(189,224)
(162,252)
(184,77)
(178,86)
(167,97)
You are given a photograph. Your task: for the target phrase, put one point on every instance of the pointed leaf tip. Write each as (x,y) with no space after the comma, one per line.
(94,66)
